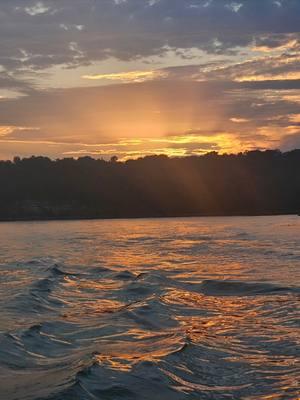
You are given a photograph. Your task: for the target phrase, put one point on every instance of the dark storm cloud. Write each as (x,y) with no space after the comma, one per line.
(43,33)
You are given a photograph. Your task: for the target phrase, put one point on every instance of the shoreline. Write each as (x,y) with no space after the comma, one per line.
(101,218)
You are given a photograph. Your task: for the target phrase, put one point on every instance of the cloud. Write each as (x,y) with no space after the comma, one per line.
(234,7)
(135,28)
(277,67)
(291,142)
(36,9)
(10,130)
(239,120)
(149,116)
(295,118)
(241,89)
(271,43)
(132,76)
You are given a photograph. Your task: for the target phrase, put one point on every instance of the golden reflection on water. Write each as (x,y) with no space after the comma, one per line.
(91,308)
(137,295)
(139,346)
(244,330)
(83,286)
(240,327)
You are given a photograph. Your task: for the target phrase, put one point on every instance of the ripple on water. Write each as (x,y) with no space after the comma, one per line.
(172,330)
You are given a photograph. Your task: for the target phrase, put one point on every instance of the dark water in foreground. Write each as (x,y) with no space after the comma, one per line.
(150,309)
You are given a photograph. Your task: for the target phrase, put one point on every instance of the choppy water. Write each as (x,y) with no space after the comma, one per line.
(150,309)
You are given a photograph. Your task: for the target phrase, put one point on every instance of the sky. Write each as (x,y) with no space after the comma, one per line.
(139,77)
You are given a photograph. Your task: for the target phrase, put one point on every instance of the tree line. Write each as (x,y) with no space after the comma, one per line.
(250,183)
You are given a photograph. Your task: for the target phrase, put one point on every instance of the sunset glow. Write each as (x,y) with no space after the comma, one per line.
(131,78)
(150,199)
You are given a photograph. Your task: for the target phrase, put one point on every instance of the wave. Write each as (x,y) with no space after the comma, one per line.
(159,321)
(240,288)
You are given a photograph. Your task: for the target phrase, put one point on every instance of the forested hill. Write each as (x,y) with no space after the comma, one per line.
(251,183)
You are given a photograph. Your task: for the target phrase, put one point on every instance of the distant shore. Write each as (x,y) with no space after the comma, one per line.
(91,218)
(248,184)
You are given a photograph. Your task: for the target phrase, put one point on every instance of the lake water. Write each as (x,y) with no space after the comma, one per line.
(169,309)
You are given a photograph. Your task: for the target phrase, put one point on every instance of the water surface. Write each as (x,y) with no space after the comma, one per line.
(200,308)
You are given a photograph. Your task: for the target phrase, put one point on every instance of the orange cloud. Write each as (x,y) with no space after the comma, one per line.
(269,77)
(132,76)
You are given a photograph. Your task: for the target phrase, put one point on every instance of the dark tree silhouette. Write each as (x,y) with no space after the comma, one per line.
(114,159)
(249,183)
